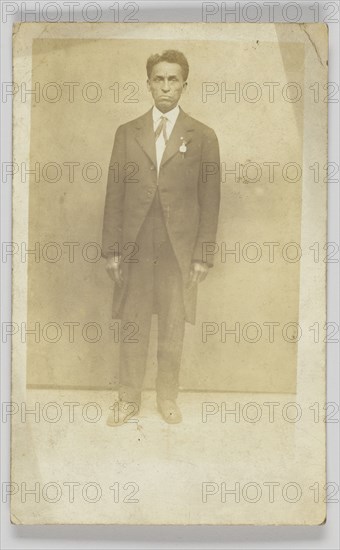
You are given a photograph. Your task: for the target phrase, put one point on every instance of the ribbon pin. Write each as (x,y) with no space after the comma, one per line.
(183,147)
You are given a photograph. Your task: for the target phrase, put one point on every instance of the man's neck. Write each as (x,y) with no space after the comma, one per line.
(168,111)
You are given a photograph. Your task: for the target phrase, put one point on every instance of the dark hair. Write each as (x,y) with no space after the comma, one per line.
(170,56)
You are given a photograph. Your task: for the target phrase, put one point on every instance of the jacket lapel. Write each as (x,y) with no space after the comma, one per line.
(146,137)
(182,129)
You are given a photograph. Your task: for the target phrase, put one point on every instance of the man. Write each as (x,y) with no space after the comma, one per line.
(161,211)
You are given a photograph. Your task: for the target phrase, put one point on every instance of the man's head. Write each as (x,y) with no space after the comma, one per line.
(167,78)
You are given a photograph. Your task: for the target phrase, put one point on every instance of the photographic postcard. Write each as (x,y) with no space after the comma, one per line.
(169,279)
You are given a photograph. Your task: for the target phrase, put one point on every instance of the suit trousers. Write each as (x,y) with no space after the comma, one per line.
(155,285)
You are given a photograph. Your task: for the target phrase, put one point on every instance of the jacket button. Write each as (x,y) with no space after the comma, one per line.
(152,167)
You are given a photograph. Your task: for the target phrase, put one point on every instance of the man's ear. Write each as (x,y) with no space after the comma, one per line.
(148,85)
(185,85)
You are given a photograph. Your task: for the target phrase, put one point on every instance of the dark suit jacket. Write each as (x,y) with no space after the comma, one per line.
(189,190)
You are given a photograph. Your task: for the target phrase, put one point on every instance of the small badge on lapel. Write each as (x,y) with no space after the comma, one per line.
(183,147)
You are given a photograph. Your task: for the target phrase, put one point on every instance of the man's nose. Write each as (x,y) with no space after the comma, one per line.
(165,87)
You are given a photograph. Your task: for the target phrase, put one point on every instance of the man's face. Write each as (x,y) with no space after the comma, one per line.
(166,85)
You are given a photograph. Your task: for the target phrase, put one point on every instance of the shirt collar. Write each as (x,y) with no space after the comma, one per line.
(170,115)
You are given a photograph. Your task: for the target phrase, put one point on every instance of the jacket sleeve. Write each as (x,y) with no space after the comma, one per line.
(209,199)
(114,201)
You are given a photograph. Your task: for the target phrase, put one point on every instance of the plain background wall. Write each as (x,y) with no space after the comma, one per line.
(67,211)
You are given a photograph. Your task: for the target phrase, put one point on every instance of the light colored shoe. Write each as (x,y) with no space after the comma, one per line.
(169,411)
(121,413)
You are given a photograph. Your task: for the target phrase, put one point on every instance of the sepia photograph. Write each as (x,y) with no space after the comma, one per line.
(169,276)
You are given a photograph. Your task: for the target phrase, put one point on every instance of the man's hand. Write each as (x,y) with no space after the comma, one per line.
(198,273)
(114,269)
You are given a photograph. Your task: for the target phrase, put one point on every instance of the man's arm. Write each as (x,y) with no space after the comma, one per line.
(113,211)
(114,201)
(209,201)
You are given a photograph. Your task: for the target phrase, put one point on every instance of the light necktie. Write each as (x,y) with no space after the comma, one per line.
(161,128)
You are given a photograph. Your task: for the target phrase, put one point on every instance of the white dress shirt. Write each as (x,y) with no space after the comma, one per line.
(171,117)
